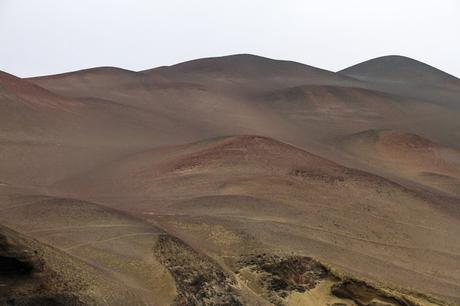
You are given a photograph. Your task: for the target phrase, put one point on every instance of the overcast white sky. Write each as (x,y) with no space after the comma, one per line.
(40,37)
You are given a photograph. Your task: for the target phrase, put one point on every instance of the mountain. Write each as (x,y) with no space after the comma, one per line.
(405,76)
(30,109)
(410,156)
(247,73)
(234,180)
(88,82)
(394,68)
(248,66)
(228,95)
(223,183)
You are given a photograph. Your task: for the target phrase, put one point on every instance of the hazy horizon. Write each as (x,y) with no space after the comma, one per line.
(50,37)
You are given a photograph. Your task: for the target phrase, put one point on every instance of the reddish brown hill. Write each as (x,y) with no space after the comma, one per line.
(240,203)
(28,110)
(408,155)
(339,103)
(33,96)
(228,95)
(332,111)
(234,194)
(95,81)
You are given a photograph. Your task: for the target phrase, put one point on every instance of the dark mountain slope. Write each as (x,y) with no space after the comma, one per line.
(248,71)
(394,68)
(405,76)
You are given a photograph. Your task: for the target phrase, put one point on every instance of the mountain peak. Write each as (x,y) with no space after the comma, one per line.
(397,68)
(241,64)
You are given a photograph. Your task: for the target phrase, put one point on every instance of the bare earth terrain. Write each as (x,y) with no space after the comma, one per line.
(236,180)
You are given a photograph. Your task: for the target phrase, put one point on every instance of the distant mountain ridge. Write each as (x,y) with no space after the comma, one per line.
(397,68)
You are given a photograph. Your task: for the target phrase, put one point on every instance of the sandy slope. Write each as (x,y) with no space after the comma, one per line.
(112,250)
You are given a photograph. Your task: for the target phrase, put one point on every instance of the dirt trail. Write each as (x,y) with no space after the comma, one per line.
(109,239)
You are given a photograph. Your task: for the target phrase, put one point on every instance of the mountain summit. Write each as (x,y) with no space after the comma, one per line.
(396,68)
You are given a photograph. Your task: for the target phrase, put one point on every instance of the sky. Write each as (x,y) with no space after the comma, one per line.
(40,37)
